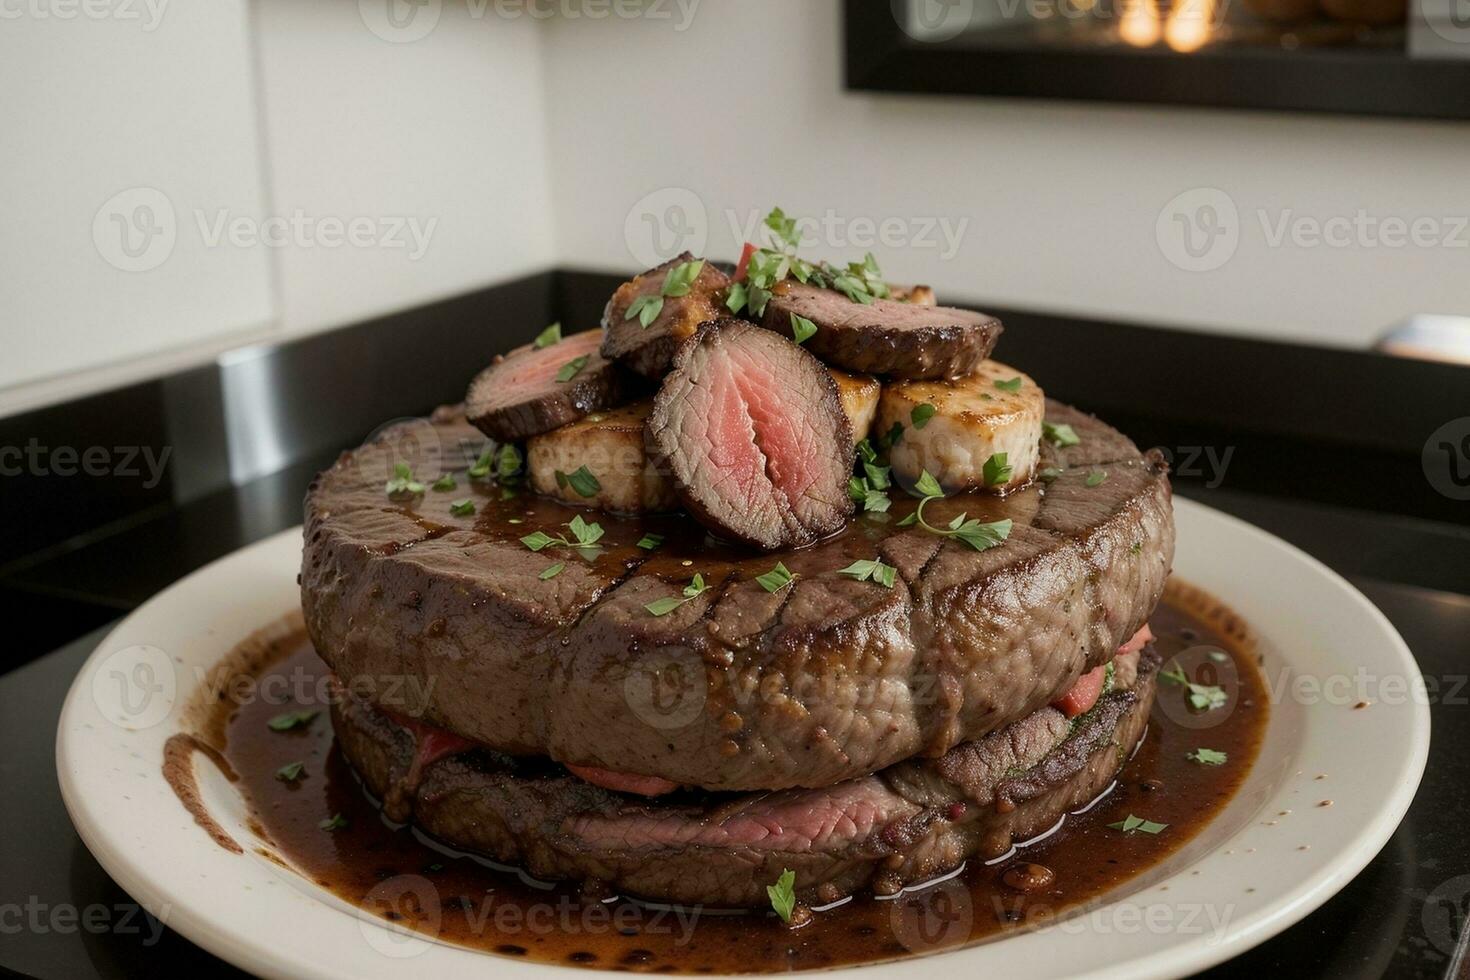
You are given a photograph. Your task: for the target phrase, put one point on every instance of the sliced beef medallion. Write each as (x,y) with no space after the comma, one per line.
(534,389)
(898,339)
(753,430)
(649,350)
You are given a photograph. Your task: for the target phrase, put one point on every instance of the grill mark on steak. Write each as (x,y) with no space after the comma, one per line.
(906,824)
(650,350)
(518,395)
(753,431)
(889,337)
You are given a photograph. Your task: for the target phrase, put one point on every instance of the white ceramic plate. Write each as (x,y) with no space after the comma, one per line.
(1273,855)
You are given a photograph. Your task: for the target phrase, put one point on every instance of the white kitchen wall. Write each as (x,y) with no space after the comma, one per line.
(745,108)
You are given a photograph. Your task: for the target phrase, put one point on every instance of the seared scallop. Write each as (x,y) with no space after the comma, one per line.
(859,396)
(600,462)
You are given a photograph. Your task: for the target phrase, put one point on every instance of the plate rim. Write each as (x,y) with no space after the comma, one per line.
(237,944)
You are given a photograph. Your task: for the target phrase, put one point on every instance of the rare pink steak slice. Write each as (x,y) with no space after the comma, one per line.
(533,389)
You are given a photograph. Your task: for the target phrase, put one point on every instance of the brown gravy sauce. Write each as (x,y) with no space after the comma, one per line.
(398,874)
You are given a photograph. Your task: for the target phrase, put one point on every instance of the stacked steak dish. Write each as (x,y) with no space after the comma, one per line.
(776,575)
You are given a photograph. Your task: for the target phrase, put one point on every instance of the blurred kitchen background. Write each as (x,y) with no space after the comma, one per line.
(245,233)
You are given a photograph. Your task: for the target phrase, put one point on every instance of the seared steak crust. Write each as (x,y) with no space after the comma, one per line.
(650,350)
(887,336)
(825,680)
(519,395)
(880,832)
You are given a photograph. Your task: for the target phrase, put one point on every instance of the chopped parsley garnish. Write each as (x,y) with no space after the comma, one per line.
(776,579)
(928,486)
(860,282)
(1049,474)
(1208,757)
(481,469)
(290,772)
(1061,436)
(874,500)
(1202,697)
(445,483)
(975,533)
(802,329)
(572,368)
(871,569)
(666,605)
(1096,478)
(997,470)
(677,282)
(508,463)
(878,476)
(584,535)
(403,481)
(1135,548)
(1014,384)
(650,541)
(552,571)
(551,335)
(291,719)
(583,481)
(783,895)
(646,308)
(1139,824)
(335,822)
(462,508)
(921,415)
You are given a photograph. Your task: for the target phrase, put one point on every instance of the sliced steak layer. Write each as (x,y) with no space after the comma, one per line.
(534,390)
(826,679)
(879,833)
(753,430)
(650,350)
(898,339)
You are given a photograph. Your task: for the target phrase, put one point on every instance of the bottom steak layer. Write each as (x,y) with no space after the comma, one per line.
(906,824)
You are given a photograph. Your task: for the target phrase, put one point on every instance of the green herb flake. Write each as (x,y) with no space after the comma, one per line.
(1049,475)
(583,482)
(584,535)
(680,278)
(1202,697)
(335,822)
(290,772)
(462,508)
(1208,757)
(783,895)
(551,335)
(871,569)
(1132,824)
(1061,436)
(997,470)
(403,482)
(866,452)
(1096,478)
(776,579)
(572,368)
(666,605)
(802,329)
(291,719)
(481,469)
(552,571)
(445,483)
(508,463)
(928,486)
(650,541)
(921,415)
(1014,384)
(879,477)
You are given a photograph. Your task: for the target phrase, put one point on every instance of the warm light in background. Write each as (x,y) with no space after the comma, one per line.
(1190,24)
(1140,23)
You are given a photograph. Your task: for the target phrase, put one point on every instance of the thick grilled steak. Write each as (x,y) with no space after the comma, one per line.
(650,350)
(522,394)
(826,679)
(901,340)
(906,824)
(753,430)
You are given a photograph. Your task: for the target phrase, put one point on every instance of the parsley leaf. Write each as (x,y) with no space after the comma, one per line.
(290,772)
(584,535)
(1049,474)
(802,329)
(997,470)
(783,894)
(680,278)
(335,822)
(1096,477)
(481,469)
(872,499)
(1202,697)
(650,541)
(1139,824)
(290,720)
(1061,436)
(552,571)
(462,508)
(666,605)
(646,309)
(928,486)
(445,483)
(921,415)
(403,482)
(1014,384)
(1208,757)
(551,335)
(508,463)
(871,569)
(583,481)
(572,368)
(776,579)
